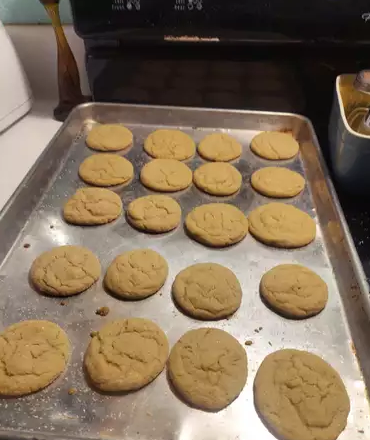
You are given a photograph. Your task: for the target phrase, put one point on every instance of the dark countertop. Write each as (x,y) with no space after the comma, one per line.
(357,214)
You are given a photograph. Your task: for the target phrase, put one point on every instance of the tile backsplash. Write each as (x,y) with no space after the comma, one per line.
(30,11)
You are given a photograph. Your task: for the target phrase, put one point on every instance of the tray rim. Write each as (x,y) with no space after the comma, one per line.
(76,112)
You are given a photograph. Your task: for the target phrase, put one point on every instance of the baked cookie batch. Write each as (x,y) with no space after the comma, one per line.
(296,393)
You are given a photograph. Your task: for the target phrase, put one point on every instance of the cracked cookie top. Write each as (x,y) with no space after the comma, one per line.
(155,213)
(207,291)
(92,206)
(277,182)
(294,291)
(106,170)
(65,270)
(219,147)
(300,396)
(109,137)
(166,175)
(274,145)
(218,178)
(126,355)
(282,225)
(208,368)
(136,274)
(169,144)
(32,355)
(217,224)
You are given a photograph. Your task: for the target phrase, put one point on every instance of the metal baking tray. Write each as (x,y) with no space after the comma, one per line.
(32,223)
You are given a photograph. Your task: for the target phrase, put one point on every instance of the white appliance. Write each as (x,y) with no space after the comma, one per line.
(15,94)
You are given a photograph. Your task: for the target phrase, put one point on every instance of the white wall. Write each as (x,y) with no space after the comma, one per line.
(30,11)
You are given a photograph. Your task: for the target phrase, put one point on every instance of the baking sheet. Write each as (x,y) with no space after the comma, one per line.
(33,218)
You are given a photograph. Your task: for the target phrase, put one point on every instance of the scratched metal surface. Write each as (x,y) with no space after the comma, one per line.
(33,217)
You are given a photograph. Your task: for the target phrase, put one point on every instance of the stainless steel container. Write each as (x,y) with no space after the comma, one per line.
(349,135)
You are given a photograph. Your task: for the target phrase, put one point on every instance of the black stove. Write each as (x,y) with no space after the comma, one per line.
(279,55)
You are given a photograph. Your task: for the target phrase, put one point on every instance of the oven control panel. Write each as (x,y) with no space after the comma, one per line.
(136,5)
(339,18)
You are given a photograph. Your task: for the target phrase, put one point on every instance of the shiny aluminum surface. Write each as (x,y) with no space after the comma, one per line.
(33,217)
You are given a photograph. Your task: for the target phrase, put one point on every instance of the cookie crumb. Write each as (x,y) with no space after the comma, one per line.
(51,226)
(63,303)
(256,330)
(353,349)
(270,344)
(248,342)
(361,431)
(72,391)
(93,334)
(149,414)
(26,245)
(287,131)
(261,328)
(102,311)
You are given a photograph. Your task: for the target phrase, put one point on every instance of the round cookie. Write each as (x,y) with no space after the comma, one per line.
(167,175)
(274,145)
(300,396)
(218,178)
(106,170)
(65,270)
(294,291)
(217,224)
(136,274)
(208,368)
(92,206)
(169,144)
(126,355)
(219,147)
(282,225)
(207,291)
(155,213)
(109,137)
(32,355)
(277,182)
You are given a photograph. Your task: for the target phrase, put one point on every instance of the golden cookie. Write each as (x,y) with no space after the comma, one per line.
(282,225)
(92,206)
(155,213)
(275,145)
(169,144)
(294,291)
(65,270)
(219,147)
(106,170)
(167,175)
(32,354)
(109,137)
(218,178)
(208,368)
(217,224)
(277,182)
(136,274)
(126,355)
(207,291)
(300,396)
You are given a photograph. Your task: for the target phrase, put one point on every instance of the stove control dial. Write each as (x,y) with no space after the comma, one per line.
(126,5)
(188,5)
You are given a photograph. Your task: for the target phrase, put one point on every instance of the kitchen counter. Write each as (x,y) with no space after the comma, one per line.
(22,144)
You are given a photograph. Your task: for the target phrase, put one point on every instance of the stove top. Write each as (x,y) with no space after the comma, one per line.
(297,79)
